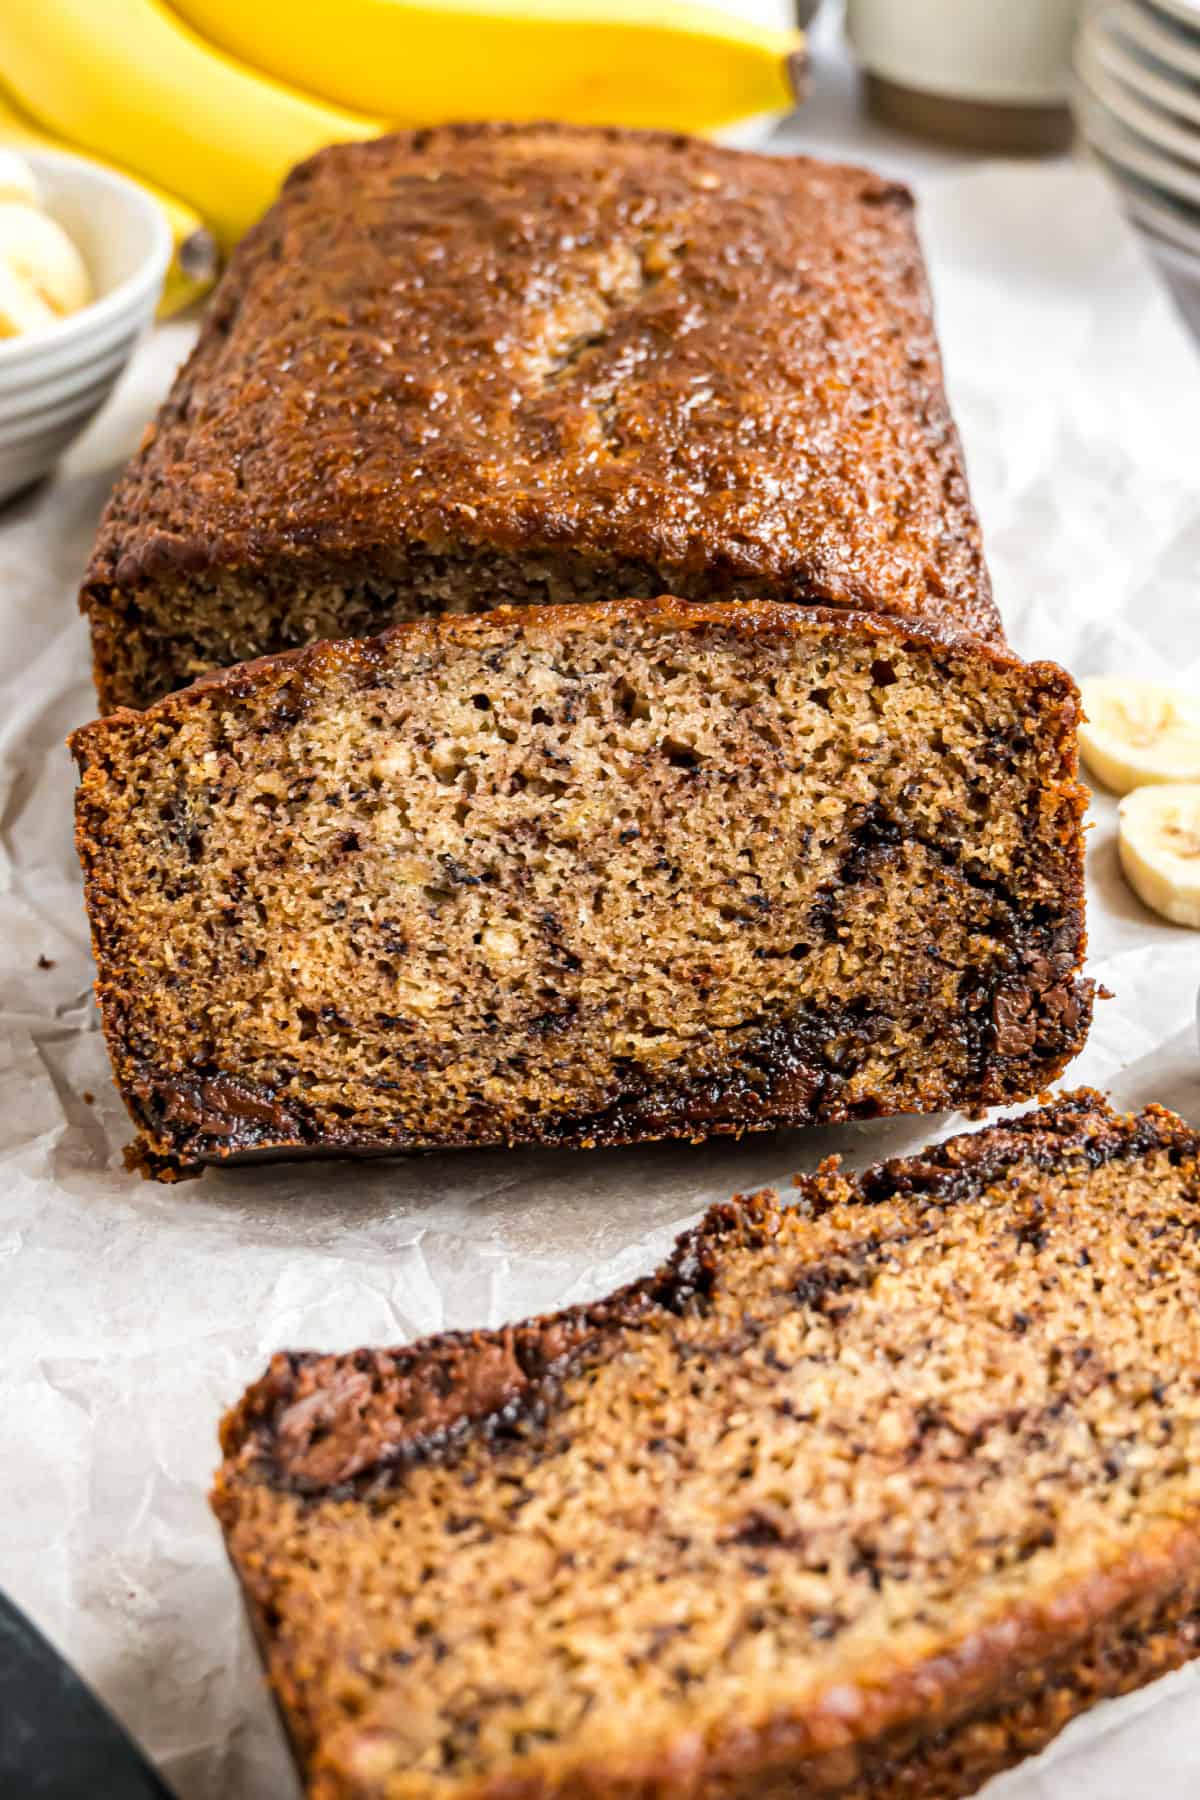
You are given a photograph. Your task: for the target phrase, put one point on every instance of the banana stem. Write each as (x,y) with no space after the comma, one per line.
(199,255)
(798,72)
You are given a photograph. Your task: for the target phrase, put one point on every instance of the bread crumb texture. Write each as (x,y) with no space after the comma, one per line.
(585,875)
(864,1495)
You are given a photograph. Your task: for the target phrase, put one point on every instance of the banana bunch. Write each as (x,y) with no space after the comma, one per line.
(1142,740)
(217,99)
(593,62)
(195,260)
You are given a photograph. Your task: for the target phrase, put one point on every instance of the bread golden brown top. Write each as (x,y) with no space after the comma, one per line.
(636,350)
(864,1496)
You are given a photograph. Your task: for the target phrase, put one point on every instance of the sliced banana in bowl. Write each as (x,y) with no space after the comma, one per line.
(1159,845)
(1138,732)
(80,277)
(45,276)
(17,179)
(22,308)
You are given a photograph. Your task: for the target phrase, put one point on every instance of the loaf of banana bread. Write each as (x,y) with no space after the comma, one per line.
(862,1497)
(584,875)
(496,363)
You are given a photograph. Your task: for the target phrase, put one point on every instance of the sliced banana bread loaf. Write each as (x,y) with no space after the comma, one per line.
(863,1497)
(584,875)
(492,363)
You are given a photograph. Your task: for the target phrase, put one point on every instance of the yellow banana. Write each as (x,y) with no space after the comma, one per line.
(195,260)
(128,80)
(618,62)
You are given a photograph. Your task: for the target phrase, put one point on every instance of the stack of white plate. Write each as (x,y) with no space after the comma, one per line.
(1138,101)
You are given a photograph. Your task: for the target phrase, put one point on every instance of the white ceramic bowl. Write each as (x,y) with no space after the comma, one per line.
(1015,53)
(53,382)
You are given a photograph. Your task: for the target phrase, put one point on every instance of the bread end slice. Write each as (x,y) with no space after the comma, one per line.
(584,876)
(864,1495)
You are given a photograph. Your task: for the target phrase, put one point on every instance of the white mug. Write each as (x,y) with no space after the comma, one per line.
(1005,52)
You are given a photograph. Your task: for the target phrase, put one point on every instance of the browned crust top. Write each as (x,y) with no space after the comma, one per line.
(617,345)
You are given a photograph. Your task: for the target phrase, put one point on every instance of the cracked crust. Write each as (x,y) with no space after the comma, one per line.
(881,1574)
(536,364)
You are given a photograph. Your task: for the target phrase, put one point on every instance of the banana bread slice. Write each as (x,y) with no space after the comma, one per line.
(537,364)
(862,1497)
(584,875)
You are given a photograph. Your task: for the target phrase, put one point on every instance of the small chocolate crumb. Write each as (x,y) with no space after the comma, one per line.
(45,962)
(1015,1025)
(89,1099)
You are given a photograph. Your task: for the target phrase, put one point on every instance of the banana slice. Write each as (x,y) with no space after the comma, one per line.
(1159,843)
(17,179)
(21,309)
(1139,732)
(39,253)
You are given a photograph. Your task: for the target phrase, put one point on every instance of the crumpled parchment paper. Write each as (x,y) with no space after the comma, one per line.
(133,1314)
